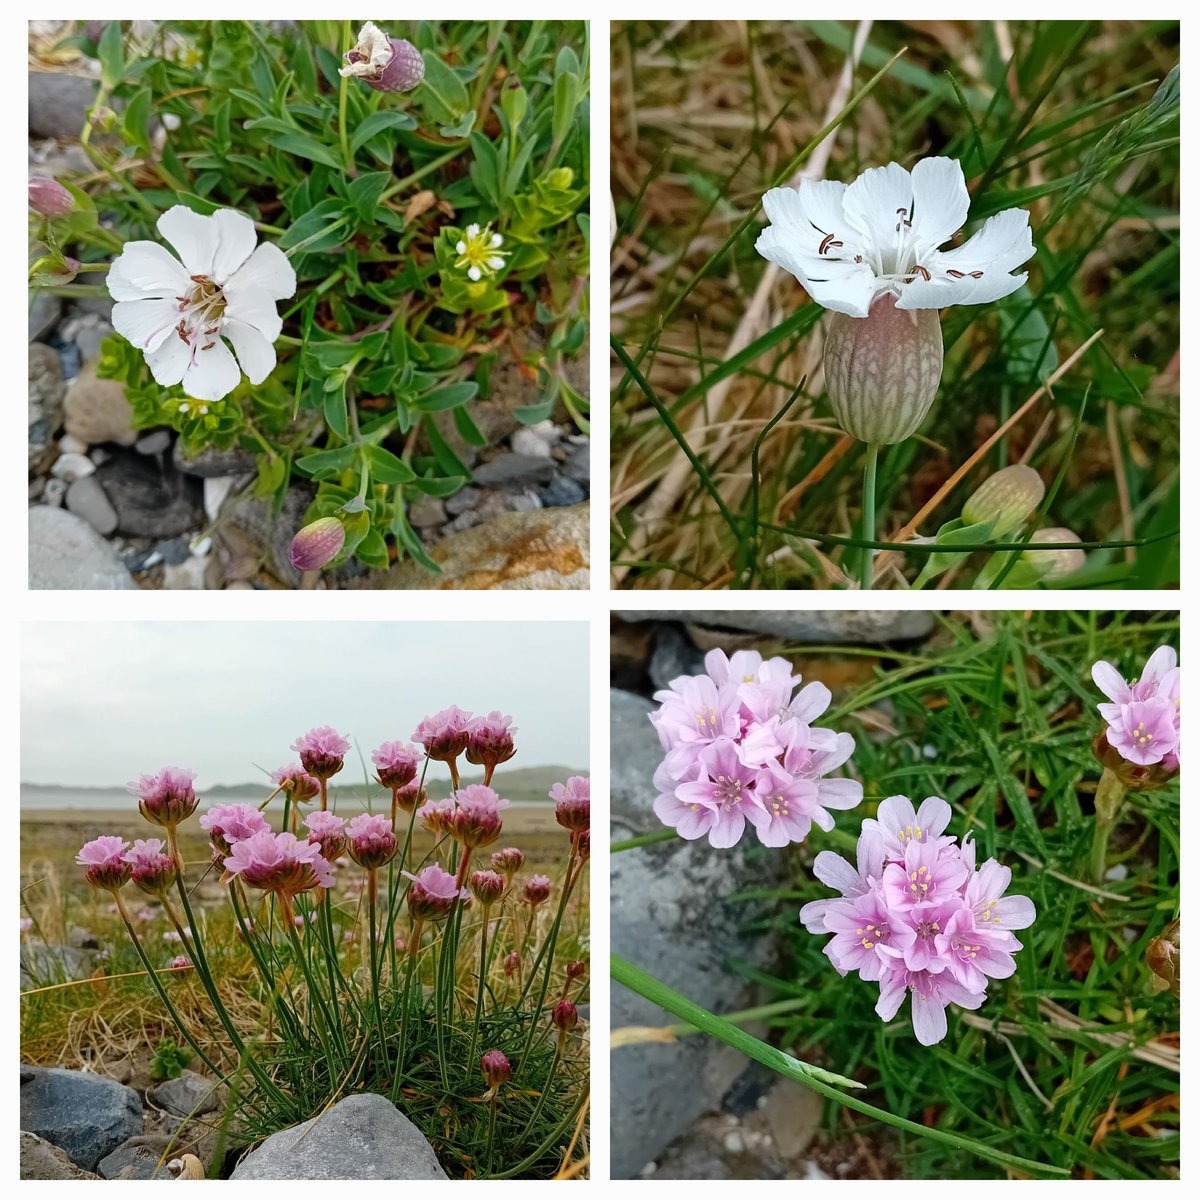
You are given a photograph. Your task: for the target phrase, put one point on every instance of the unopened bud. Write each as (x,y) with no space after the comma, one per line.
(1162,956)
(575,969)
(496,1068)
(1007,499)
(511,963)
(1054,564)
(384,63)
(565,1016)
(882,371)
(488,887)
(317,544)
(49,197)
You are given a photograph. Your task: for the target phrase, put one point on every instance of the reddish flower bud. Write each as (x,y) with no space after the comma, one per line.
(496,1068)
(487,886)
(536,890)
(511,963)
(565,1016)
(575,969)
(49,197)
(508,862)
(317,544)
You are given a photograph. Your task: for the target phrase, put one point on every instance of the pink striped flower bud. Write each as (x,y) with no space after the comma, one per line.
(299,785)
(490,741)
(576,969)
(508,862)
(395,764)
(317,544)
(565,1016)
(49,197)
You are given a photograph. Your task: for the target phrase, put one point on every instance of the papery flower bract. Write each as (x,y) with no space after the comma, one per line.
(444,735)
(166,798)
(488,887)
(432,893)
(384,63)
(1053,564)
(300,786)
(322,751)
(537,889)
(105,860)
(279,863)
(152,869)
(395,764)
(490,740)
(573,803)
(479,252)
(372,844)
(508,862)
(181,314)
(317,544)
(48,197)
(328,831)
(1143,717)
(229,823)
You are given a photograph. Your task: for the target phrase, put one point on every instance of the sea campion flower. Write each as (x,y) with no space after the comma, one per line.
(1057,564)
(479,252)
(573,803)
(49,198)
(384,63)
(300,786)
(537,889)
(328,831)
(741,749)
(152,869)
(372,844)
(322,751)
(1143,717)
(917,917)
(279,863)
(508,862)
(107,866)
(444,735)
(432,893)
(166,798)
(395,764)
(180,315)
(229,823)
(317,544)
(490,742)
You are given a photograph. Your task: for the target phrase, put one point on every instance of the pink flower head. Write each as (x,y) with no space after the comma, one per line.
(496,1069)
(435,815)
(26,924)
(694,712)
(717,802)
(508,862)
(748,666)
(104,858)
(490,741)
(180,962)
(299,785)
(898,824)
(172,935)
(166,798)
(372,842)
(488,887)
(395,764)
(537,889)
(573,803)
(279,863)
(410,796)
(930,992)
(444,735)
(475,819)
(151,867)
(925,875)
(511,963)
(565,1016)
(329,833)
(432,893)
(229,823)
(1143,717)
(321,751)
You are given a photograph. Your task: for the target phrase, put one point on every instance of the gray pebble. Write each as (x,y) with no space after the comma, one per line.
(154,443)
(561,492)
(72,467)
(87,499)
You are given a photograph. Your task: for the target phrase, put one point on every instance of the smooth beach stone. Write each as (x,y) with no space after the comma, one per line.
(66,552)
(360,1137)
(86,1115)
(189,1094)
(833,625)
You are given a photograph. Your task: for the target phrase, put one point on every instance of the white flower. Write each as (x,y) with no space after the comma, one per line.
(881,235)
(181,314)
(479,252)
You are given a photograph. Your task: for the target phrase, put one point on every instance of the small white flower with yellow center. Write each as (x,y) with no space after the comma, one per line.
(479,251)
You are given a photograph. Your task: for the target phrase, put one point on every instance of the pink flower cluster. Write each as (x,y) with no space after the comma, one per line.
(490,741)
(1143,717)
(321,751)
(372,843)
(166,798)
(917,917)
(300,786)
(471,816)
(395,764)
(226,824)
(444,735)
(741,748)
(432,893)
(280,863)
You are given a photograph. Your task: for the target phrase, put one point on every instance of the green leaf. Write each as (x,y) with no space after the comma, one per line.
(336,416)
(440,487)
(365,192)
(299,143)
(331,461)
(386,467)
(451,396)
(442,92)
(406,536)
(377,123)
(112,55)
(373,550)
(135,123)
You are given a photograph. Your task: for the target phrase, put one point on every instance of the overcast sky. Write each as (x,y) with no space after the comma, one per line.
(103,702)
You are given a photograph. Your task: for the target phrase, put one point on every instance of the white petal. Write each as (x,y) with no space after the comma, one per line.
(212,374)
(940,203)
(474,273)
(238,239)
(267,269)
(253,306)
(146,269)
(929,1020)
(472,231)
(1110,681)
(194,237)
(255,355)
(495,263)
(873,204)
(169,361)
(146,323)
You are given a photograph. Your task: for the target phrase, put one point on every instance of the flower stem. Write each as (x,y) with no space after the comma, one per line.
(479,994)
(867,563)
(343,92)
(1110,799)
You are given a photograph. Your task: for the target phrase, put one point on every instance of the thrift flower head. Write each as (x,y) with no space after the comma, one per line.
(576,969)
(279,863)
(300,786)
(166,798)
(384,63)
(395,764)
(1143,717)
(410,796)
(490,741)
(182,314)
(322,751)
(104,858)
(564,1016)
(444,735)
(917,917)
(435,815)
(496,1069)
(329,833)
(475,819)
(151,867)
(488,887)
(741,750)
(180,962)
(573,803)
(479,252)
(511,963)
(432,893)
(229,823)
(372,842)
(508,862)
(49,198)
(26,924)
(537,889)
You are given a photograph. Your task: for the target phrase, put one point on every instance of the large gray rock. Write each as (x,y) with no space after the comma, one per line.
(669,916)
(86,1115)
(187,1095)
(58,104)
(801,625)
(137,1158)
(360,1137)
(66,552)
(41,964)
(41,1160)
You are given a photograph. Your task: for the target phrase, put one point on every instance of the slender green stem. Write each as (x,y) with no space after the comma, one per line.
(822,1082)
(867,564)
(372,888)
(645,839)
(343,94)
(491,1136)
(537,1108)
(483,960)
